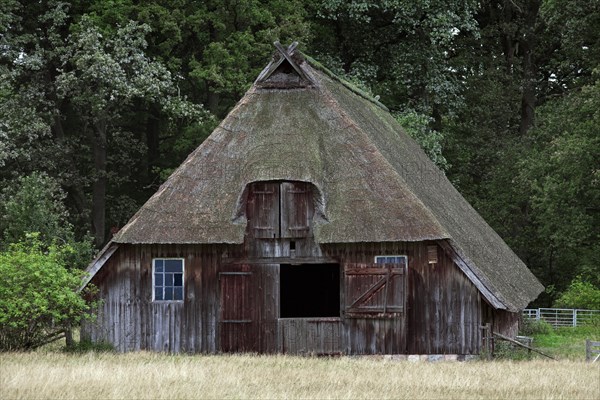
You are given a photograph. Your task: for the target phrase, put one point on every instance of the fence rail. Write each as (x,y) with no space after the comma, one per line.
(562,316)
(592,350)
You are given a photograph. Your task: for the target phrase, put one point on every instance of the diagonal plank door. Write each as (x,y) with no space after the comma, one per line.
(374,289)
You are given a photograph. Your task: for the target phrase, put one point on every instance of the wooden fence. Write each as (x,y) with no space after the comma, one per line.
(562,316)
(592,350)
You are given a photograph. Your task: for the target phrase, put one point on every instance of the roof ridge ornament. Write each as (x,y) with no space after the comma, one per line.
(285,55)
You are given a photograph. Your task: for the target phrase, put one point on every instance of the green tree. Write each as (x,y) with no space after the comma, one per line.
(562,172)
(403,50)
(102,76)
(418,126)
(35,203)
(39,301)
(579,294)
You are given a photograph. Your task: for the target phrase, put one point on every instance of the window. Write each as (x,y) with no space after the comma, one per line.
(168,279)
(402,260)
(432,254)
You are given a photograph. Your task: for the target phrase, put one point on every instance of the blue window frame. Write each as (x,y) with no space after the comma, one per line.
(167,279)
(400,260)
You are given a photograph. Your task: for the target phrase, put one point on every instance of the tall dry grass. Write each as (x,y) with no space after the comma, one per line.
(159,376)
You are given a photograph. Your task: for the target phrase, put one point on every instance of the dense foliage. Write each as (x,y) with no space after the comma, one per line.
(107,97)
(38,295)
(579,294)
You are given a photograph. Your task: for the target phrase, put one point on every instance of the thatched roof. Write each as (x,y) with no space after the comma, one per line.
(375,182)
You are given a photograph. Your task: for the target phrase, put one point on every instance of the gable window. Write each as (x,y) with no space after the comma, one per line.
(402,260)
(167,279)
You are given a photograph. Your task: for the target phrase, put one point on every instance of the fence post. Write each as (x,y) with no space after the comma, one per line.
(588,350)
(537,314)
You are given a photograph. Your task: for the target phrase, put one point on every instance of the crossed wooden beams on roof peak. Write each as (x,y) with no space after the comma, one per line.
(286,54)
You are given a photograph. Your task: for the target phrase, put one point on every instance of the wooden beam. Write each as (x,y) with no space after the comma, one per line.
(98,263)
(501,336)
(370,292)
(273,65)
(288,57)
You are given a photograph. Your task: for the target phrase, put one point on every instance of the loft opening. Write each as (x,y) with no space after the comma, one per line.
(309,290)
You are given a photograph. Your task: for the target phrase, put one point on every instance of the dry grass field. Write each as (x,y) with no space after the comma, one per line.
(56,375)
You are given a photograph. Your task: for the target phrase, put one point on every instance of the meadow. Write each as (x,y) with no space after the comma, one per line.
(107,375)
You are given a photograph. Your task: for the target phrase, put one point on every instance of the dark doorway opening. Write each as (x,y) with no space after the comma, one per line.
(309,290)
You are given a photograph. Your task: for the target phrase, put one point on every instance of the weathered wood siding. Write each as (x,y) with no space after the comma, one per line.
(234,306)
(442,312)
(130,320)
(318,336)
(501,321)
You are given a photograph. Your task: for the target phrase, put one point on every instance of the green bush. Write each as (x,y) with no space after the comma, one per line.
(530,326)
(39,296)
(507,351)
(579,294)
(35,203)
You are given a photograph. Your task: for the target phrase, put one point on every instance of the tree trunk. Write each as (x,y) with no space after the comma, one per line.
(152,141)
(75,191)
(99,185)
(213,101)
(527,44)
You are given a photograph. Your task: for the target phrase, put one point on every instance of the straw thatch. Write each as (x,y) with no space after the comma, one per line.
(375,183)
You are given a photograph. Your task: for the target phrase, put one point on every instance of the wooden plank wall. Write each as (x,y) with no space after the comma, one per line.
(443,308)
(127,317)
(442,313)
(318,336)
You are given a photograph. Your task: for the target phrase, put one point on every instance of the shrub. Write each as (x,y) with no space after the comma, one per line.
(579,294)
(508,351)
(530,326)
(38,295)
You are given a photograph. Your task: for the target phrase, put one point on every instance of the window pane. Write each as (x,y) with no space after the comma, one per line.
(158,265)
(168,279)
(178,293)
(158,294)
(401,260)
(173,266)
(177,279)
(168,294)
(158,279)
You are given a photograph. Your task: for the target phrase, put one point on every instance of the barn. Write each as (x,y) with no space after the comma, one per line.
(307,223)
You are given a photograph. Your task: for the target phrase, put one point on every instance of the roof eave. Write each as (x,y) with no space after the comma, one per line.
(96,265)
(466,269)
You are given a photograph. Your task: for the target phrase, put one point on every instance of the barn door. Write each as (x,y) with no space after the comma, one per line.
(237,324)
(374,289)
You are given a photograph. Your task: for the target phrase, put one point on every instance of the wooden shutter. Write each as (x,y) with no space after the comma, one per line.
(374,289)
(263,210)
(296,209)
